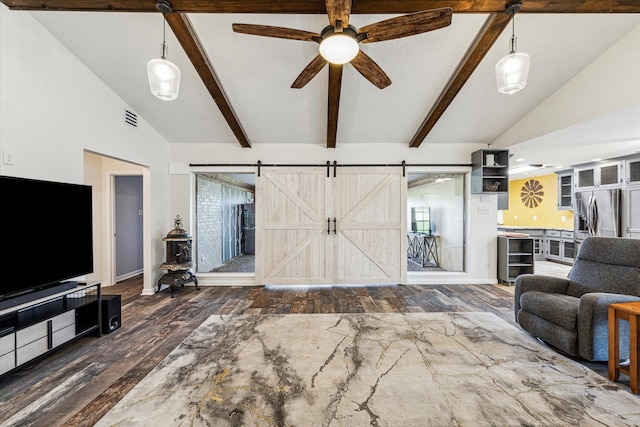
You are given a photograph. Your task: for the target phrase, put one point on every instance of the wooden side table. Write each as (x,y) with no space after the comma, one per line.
(629,311)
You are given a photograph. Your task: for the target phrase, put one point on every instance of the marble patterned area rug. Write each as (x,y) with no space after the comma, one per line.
(414,369)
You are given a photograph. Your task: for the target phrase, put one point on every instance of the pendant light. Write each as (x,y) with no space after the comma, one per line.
(513,69)
(164,76)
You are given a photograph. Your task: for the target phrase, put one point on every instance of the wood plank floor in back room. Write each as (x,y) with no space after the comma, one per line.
(81,381)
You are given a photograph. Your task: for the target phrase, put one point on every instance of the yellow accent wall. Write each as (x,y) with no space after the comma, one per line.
(545,214)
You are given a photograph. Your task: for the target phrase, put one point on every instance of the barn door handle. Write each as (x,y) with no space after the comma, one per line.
(335,226)
(328,225)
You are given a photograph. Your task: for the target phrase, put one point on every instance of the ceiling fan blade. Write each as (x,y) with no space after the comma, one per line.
(338,10)
(407,25)
(278,32)
(309,72)
(370,70)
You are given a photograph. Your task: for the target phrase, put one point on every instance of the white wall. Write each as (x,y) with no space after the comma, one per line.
(608,84)
(481,232)
(52,109)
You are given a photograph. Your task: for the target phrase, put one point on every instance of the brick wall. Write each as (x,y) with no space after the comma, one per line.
(217,232)
(208,223)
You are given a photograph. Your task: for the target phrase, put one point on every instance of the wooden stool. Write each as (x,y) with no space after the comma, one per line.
(629,311)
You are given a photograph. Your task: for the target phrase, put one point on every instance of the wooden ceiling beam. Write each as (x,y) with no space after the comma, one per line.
(333,103)
(485,39)
(318,6)
(187,37)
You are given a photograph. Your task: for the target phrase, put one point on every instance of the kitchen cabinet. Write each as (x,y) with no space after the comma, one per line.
(631,212)
(515,257)
(565,190)
(631,198)
(537,234)
(490,171)
(560,246)
(632,172)
(538,243)
(603,175)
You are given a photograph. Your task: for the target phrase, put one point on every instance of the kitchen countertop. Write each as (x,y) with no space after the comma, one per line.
(522,227)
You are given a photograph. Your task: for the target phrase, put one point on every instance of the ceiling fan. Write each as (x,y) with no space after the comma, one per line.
(339,41)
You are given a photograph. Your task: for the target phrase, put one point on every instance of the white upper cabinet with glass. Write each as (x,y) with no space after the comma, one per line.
(602,175)
(632,172)
(565,189)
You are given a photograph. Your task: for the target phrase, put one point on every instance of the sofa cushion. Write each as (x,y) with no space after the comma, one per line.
(556,308)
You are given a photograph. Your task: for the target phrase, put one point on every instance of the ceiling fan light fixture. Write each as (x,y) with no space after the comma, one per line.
(512,70)
(339,47)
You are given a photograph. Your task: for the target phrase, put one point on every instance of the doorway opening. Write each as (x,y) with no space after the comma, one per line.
(225,222)
(128,235)
(102,172)
(435,221)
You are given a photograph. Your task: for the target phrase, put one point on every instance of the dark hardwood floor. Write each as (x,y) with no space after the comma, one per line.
(81,381)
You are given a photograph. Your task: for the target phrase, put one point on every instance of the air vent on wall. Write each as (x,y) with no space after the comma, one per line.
(131,118)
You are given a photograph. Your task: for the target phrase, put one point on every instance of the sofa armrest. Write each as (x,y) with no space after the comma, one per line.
(536,282)
(593,326)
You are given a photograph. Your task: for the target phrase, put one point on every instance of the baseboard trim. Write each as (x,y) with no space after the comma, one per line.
(129,275)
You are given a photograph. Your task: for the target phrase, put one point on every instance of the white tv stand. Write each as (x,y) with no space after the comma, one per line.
(31,330)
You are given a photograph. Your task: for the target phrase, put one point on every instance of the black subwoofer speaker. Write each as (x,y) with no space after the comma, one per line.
(111,313)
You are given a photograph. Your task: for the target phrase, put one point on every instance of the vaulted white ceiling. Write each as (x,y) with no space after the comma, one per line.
(256,74)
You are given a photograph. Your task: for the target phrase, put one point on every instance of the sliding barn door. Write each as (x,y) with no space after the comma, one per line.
(343,229)
(369,205)
(292,206)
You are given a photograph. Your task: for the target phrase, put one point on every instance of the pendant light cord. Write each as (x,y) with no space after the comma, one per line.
(512,8)
(513,34)
(164,36)
(164,6)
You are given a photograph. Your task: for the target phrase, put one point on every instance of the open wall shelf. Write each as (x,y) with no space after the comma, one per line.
(490,171)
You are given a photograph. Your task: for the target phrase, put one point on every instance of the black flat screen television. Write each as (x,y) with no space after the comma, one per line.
(47,234)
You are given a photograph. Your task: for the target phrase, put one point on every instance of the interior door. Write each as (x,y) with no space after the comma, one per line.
(317,229)
(369,205)
(292,209)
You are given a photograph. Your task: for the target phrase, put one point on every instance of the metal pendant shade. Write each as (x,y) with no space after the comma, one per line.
(512,70)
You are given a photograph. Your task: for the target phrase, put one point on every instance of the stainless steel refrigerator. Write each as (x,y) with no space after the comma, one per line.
(596,213)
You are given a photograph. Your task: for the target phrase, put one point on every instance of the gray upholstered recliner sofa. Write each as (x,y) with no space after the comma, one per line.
(571,314)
